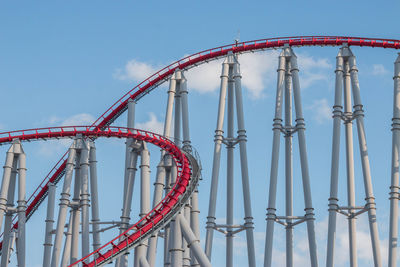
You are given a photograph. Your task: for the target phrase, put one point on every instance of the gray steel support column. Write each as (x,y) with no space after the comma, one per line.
(130,124)
(394,185)
(369,196)
(75,211)
(171,244)
(194,222)
(277,126)
(21,208)
(5,183)
(193,242)
(185,113)
(300,125)
(127,202)
(64,202)
(333,199)
(167,258)
(288,167)
(94,196)
(51,198)
(175,249)
(161,172)
(66,256)
(348,125)
(178,108)
(218,138)
(186,250)
(5,252)
(84,197)
(242,139)
(230,168)
(140,250)
(157,197)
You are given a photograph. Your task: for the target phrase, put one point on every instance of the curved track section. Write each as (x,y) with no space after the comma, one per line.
(157,218)
(101,125)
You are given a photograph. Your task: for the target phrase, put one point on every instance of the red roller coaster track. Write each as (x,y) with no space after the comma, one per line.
(159,214)
(100,126)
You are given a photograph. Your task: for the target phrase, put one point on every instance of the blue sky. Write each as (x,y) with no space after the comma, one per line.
(67,62)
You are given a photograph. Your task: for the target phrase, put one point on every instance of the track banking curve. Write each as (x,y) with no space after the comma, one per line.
(112,113)
(158,216)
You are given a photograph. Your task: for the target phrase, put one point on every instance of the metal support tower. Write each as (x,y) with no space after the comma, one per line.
(347,81)
(394,186)
(82,158)
(15,164)
(288,87)
(231,86)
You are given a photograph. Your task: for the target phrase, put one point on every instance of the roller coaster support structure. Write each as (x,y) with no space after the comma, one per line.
(394,187)
(15,164)
(347,81)
(231,82)
(288,75)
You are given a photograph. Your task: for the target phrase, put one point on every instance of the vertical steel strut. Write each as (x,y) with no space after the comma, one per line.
(394,186)
(15,164)
(287,78)
(347,80)
(231,81)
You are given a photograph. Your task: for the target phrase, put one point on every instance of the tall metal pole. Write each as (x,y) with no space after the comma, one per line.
(5,183)
(216,160)
(5,252)
(333,199)
(348,125)
(140,251)
(94,196)
(128,185)
(66,256)
(277,127)
(76,213)
(161,170)
(21,208)
(194,223)
(371,206)
(288,167)
(242,139)
(49,224)
(64,202)
(394,185)
(229,170)
(300,126)
(186,250)
(84,197)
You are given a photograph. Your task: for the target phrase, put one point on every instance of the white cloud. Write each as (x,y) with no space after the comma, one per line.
(312,70)
(205,78)
(152,125)
(258,72)
(321,109)
(135,70)
(378,69)
(78,119)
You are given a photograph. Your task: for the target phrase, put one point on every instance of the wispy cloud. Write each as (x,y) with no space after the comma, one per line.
(135,70)
(379,69)
(321,110)
(152,125)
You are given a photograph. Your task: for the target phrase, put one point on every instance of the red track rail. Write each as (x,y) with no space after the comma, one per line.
(191,61)
(154,217)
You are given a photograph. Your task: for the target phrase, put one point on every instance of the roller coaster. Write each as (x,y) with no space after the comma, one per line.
(173,215)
